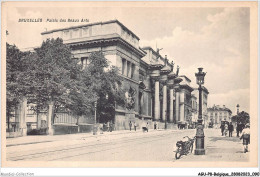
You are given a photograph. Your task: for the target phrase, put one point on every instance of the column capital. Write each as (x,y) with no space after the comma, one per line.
(177,89)
(156,79)
(164,82)
(171,86)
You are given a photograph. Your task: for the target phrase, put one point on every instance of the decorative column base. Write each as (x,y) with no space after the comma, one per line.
(95,129)
(24,131)
(50,131)
(200,140)
(199,151)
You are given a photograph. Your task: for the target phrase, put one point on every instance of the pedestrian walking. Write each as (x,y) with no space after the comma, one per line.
(135,125)
(147,125)
(108,125)
(246,137)
(111,126)
(130,125)
(222,127)
(226,129)
(230,129)
(101,128)
(155,125)
(238,129)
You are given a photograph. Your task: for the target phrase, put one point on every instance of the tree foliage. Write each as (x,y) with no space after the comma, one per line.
(16,70)
(51,75)
(242,117)
(100,83)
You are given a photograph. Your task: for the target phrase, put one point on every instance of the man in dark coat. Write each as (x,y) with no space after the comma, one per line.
(222,127)
(238,129)
(230,129)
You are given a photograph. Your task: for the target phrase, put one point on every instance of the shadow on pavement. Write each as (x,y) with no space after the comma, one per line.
(233,139)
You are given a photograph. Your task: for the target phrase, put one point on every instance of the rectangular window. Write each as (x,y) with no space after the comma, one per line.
(128,68)
(123,66)
(133,71)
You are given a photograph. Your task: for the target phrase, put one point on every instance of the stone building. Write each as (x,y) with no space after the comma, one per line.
(159,94)
(217,114)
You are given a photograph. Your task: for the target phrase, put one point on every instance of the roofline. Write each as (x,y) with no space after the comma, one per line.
(150,48)
(185,77)
(144,63)
(91,24)
(203,89)
(185,86)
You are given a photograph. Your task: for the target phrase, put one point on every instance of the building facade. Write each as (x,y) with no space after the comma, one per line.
(159,94)
(217,114)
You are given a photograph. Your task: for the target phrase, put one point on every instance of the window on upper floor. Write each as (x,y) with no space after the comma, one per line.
(128,68)
(133,71)
(123,66)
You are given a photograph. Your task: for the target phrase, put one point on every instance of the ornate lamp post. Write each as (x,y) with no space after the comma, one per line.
(200,132)
(95,126)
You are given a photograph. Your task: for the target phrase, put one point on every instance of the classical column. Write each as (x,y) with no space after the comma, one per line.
(164,101)
(23,112)
(49,118)
(17,117)
(177,104)
(182,119)
(38,121)
(157,100)
(171,104)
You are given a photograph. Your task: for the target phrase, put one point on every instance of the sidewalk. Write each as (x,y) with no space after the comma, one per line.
(36,139)
(219,148)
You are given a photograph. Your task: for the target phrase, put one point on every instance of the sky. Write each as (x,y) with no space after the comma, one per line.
(216,39)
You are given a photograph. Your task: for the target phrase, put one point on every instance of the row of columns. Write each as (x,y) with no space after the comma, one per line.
(165,75)
(179,108)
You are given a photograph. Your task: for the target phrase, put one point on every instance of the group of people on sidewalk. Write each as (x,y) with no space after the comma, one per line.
(240,129)
(227,128)
(144,126)
(130,125)
(109,126)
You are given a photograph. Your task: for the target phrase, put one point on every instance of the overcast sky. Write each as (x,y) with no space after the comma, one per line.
(216,39)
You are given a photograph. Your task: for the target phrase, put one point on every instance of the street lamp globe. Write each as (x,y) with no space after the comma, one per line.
(200,76)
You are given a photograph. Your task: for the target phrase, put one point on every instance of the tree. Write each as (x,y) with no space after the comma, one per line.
(15,77)
(50,75)
(242,117)
(51,72)
(101,83)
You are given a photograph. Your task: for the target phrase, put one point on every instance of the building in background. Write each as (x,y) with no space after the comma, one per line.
(217,114)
